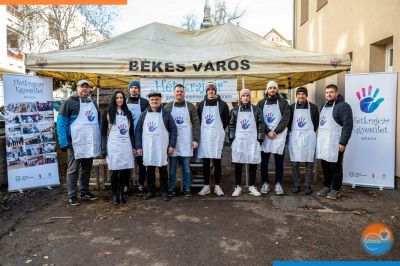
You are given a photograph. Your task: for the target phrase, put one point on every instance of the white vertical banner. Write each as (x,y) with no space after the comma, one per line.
(369,159)
(30,134)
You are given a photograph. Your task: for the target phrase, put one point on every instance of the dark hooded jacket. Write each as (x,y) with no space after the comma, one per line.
(285,112)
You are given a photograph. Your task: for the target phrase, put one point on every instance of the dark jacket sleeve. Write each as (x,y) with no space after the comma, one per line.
(285,110)
(260,124)
(225,115)
(292,106)
(132,132)
(144,103)
(260,105)
(232,123)
(194,118)
(104,131)
(314,116)
(200,109)
(139,131)
(345,115)
(171,127)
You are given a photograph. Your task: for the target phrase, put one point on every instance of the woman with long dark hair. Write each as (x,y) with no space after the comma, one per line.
(118,141)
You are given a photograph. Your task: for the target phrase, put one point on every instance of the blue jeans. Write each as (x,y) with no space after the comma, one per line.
(185,163)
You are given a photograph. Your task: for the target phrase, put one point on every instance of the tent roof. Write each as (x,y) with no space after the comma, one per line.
(107,62)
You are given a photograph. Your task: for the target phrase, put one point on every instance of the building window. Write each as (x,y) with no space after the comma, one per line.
(321,3)
(389,58)
(304,12)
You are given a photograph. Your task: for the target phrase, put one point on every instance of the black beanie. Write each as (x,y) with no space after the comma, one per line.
(302,89)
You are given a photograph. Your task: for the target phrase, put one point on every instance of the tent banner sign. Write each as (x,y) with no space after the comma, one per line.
(369,159)
(195,89)
(30,134)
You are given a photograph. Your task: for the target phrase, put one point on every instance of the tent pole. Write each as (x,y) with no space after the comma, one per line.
(246,167)
(98,91)
(243,82)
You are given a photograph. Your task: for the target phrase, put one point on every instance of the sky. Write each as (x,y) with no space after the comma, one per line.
(260,16)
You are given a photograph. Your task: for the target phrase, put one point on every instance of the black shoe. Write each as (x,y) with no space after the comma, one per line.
(88,196)
(307,191)
(148,196)
(171,193)
(187,193)
(296,189)
(165,197)
(73,201)
(121,196)
(115,199)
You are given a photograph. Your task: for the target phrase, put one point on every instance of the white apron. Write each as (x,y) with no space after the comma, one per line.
(119,151)
(302,138)
(272,117)
(85,132)
(245,147)
(328,138)
(183,123)
(155,138)
(136,111)
(212,133)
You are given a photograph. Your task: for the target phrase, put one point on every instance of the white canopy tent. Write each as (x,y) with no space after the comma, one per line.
(159,50)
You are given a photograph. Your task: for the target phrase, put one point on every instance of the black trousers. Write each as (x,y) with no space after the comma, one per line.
(252,174)
(333,173)
(119,178)
(151,178)
(278,167)
(207,171)
(142,170)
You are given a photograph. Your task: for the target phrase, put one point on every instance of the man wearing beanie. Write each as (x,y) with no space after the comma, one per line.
(276,114)
(302,126)
(137,105)
(246,133)
(214,118)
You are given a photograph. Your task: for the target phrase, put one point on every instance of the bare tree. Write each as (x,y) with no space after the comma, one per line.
(189,22)
(222,14)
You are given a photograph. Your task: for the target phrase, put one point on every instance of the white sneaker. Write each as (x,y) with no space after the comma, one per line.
(265,188)
(204,191)
(279,189)
(218,191)
(237,192)
(253,191)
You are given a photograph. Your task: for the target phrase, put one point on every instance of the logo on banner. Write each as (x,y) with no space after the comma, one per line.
(90,116)
(367,101)
(209,119)
(152,126)
(245,124)
(179,120)
(377,239)
(122,129)
(301,122)
(270,117)
(322,121)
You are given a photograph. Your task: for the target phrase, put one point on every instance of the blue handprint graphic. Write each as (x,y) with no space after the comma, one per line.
(90,116)
(152,126)
(122,129)
(270,117)
(301,122)
(179,120)
(245,123)
(367,103)
(209,119)
(322,121)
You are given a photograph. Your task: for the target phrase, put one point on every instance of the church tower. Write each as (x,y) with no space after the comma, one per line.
(207,22)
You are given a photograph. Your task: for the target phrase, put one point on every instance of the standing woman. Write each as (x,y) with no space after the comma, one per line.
(246,133)
(118,139)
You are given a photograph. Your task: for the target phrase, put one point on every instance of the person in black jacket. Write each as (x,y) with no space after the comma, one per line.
(155,139)
(137,105)
(214,118)
(303,125)
(117,132)
(246,133)
(276,114)
(335,128)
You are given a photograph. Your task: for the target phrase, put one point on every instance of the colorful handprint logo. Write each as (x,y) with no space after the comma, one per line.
(322,121)
(122,129)
(301,122)
(245,123)
(209,119)
(179,120)
(367,102)
(152,126)
(270,117)
(90,116)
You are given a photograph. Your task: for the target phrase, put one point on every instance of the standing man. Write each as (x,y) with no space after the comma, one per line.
(188,125)
(214,118)
(335,128)
(155,136)
(302,139)
(137,105)
(78,130)
(276,113)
